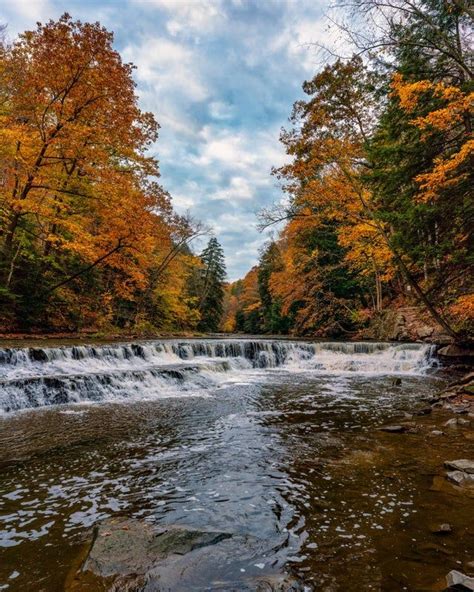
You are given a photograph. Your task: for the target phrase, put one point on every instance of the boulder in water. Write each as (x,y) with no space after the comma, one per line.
(442,529)
(455,351)
(456,578)
(129,555)
(467,466)
(460,478)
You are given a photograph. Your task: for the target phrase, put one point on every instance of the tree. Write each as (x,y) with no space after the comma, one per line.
(327,178)
(211,286)
(271,262)
(86,230)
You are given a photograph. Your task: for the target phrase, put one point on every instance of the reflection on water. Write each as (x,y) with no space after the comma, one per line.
(289,456)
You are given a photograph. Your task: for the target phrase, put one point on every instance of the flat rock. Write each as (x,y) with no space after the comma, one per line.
(460,465)
(462,409)
(128,555)
(456,578)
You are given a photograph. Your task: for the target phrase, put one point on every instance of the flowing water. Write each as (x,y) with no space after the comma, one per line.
(275,442)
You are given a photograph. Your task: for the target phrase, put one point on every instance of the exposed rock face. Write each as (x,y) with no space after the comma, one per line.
(129,555)
(409,323)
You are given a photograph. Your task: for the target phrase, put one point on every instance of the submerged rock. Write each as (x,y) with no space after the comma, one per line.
(442,528)
(394,429)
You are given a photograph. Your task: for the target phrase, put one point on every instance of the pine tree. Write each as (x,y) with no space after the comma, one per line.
(211,287)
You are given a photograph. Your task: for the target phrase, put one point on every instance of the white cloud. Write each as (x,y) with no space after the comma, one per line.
(189,17)
(33,10)
(238,189)
(168,66)
(221,111)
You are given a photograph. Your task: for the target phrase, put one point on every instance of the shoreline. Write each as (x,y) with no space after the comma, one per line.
(122,337)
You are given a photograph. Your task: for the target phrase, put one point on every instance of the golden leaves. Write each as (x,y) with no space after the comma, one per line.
(452,110)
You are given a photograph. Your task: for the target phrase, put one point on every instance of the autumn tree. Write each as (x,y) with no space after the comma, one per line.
(84,224)
(270,262)
(421,154)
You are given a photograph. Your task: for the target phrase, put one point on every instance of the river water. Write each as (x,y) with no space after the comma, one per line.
(275,442)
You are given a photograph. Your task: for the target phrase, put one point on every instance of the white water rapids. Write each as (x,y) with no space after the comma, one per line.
(36,377)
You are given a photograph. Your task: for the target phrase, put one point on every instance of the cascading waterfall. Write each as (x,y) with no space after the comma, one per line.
(35,377)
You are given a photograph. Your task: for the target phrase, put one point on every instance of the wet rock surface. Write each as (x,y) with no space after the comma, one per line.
(464,465)
(394,429)
(131,555)
(458,581)
(442,529)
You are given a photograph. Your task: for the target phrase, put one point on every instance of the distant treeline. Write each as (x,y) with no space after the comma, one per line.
(379,189)
(88,237)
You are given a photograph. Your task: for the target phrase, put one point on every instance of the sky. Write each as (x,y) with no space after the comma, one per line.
(221,77)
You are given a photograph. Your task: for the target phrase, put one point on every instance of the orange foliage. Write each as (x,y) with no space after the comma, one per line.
(76,175)
(455,108)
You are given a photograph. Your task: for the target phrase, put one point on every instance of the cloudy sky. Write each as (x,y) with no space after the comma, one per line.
(221,77)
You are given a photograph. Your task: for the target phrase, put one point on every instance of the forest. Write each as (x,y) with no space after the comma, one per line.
(89,239)
(377,209)
(379,200)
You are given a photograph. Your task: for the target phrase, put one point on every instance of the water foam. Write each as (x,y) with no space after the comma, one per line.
(36,377)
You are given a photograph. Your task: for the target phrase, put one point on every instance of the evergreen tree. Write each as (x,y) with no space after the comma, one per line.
(211,287)
(420,130)
(270,262)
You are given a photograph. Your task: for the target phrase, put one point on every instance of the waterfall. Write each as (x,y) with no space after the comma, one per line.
(35,377)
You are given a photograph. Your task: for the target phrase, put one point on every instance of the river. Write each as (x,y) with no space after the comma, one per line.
(273,441)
